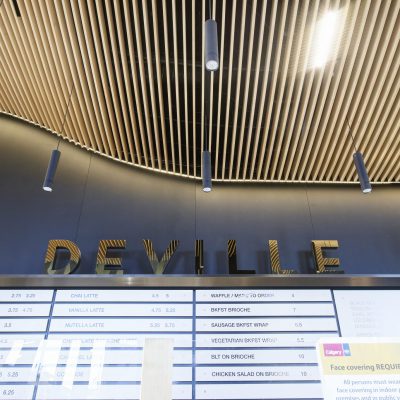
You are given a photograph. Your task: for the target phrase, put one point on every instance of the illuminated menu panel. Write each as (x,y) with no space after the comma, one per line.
(24,310)
(24,316)
(257,356)
(274,310)
(18,374)
(115,373)
(228,343)
(259,391)
(260,339)
(23,325)
(262,295)
(108,328)
(104,392)
(368,313)
(266,324)
(273,333)
(25,295)
(25,340)
(257,373)
(89,343)
(123,296)
(17,392)
(125,340)
(123,310)
(120,325)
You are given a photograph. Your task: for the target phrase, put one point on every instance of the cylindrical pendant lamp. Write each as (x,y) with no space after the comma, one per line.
(206,165)
(51,171)
(211,34)
(362,172)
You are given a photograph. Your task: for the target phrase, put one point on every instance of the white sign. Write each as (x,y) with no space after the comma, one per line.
(228,344)
(14,296)
(120,325)
(127,295)
(251,310)
(123,310)
(262,295)
(367,313)
(360,368)
(267,324)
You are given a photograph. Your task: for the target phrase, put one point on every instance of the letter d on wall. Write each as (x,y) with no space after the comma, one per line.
(51,257)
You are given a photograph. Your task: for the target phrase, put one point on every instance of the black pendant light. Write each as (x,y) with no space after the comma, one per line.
(206,171)
(362,172)
(55,154)
(211,64)
(211,33)
(211,37)
(51,171)
(360,166)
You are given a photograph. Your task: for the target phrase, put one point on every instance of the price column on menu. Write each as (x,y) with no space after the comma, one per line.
(24,317)
(97,339)
(260,344)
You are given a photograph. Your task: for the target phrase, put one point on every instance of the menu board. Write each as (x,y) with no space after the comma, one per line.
(366,313)
(228,343)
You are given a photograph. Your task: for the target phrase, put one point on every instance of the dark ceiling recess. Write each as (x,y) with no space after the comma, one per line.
(274,113)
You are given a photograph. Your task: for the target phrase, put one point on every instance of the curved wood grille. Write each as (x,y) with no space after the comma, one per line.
(141,95)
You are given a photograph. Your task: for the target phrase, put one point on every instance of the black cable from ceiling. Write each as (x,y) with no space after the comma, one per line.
(16,8)
(351,135)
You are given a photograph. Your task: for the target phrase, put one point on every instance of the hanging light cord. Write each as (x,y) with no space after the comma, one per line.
(351,135)
(208,89)
(309,211)
(206,117)
(65,114)
(208,98)
(195,209)
(78,224)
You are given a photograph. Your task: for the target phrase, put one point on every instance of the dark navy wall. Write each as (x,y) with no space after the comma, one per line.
(110,200)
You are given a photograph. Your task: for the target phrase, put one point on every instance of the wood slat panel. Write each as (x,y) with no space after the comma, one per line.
(141,95)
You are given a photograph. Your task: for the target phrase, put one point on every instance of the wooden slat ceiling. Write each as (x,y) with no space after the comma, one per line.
(141,96)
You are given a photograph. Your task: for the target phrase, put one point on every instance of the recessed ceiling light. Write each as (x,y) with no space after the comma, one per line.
(327,33)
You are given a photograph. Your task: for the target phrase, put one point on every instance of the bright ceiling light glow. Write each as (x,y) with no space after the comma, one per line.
(327,33)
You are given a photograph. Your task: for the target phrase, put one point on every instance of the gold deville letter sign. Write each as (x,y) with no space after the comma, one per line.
(199,257)
(159,266)
(103,264)
(50,260)
(275,260)
(320,261)
(233,267)
(113,265)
